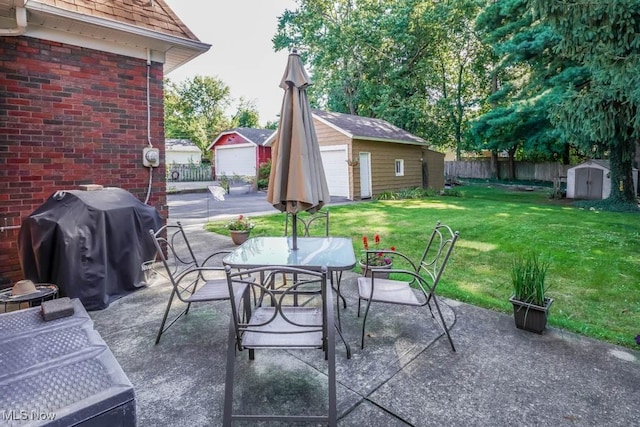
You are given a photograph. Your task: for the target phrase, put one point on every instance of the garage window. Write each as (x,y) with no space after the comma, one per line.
(399,167)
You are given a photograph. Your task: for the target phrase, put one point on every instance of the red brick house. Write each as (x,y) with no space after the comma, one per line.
(81,96)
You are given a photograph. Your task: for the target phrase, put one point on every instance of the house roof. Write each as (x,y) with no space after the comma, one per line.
(180,145)
(252,135)
(366,128)
(126,27)
(358,127)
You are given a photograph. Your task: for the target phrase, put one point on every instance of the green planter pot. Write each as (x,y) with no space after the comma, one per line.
(366,270)
(530,317)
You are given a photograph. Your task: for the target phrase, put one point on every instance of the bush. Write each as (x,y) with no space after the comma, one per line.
(263,184)
(386,195)
(264,170)
(452,192)
(406,193)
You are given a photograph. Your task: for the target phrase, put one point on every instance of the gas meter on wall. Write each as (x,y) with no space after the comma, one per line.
(151,157)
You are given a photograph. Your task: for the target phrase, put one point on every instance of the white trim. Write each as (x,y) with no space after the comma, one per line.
(269,141)
(401,163)
(114,25)
(243,145)
(51,23)
(335,148)
(397,141)
(137,52)
(369,187)
(331,125)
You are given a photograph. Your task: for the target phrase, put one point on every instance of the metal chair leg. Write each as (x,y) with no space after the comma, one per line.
(364,321)
(164,318)
(228,387)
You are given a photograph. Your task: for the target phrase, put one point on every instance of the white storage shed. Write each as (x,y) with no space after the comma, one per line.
(592,180)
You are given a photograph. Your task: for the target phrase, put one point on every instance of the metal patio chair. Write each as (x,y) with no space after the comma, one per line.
(417,287)
(191,281)
(274,322)
(312,225)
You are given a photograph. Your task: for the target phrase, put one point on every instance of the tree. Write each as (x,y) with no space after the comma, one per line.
(528,78)
(602,109)
(194,109)
(247,115)
(395,60)
(458,72)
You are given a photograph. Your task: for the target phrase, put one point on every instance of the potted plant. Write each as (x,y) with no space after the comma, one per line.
(240,228)
(530,304)
(375,257)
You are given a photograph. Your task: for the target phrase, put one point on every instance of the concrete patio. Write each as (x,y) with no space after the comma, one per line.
(406,374)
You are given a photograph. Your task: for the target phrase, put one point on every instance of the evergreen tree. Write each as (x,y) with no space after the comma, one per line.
(600,110)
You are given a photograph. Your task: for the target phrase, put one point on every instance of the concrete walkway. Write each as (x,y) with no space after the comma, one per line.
(405,375)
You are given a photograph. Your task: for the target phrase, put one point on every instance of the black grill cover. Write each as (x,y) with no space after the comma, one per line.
(89,243)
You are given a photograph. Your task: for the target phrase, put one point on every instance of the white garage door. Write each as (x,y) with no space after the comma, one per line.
(236,161)
(336,169)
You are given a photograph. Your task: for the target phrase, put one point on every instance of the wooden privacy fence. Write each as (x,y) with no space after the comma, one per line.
(189,172)
(525,171)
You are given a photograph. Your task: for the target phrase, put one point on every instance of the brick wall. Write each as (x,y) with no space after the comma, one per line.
(71,116)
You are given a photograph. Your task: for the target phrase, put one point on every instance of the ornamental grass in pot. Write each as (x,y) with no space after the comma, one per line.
(529,300)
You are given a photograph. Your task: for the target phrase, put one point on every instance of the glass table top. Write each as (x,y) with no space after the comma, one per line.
(336,253)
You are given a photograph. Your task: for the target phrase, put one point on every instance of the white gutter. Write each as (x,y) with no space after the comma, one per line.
(119,26)
(21,24)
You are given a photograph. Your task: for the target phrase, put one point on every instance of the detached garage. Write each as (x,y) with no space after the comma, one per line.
(240,151)
(363,156)
(592,180)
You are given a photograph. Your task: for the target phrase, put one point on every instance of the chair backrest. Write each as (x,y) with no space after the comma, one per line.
(276,321)
(178,258)
(436,254)
(173,249)
(308,224)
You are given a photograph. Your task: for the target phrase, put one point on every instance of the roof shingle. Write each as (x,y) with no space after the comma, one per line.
(154,15)
(367,127)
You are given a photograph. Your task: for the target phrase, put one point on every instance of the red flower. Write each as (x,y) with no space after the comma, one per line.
(379,258)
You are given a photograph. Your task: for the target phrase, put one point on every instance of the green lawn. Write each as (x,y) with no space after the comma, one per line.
(595,272)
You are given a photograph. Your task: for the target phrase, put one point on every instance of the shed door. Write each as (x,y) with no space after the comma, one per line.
(336,169)
(588,183)
(236,161)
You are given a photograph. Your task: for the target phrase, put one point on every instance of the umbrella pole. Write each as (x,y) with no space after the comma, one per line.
(294,229)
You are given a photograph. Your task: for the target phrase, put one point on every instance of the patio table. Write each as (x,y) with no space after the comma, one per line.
(334,253)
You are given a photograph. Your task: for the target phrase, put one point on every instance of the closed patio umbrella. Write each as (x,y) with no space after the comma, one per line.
(297,181)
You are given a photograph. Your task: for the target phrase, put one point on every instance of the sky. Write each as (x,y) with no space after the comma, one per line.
(241,53)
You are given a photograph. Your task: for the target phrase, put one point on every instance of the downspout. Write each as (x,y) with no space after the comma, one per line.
(21,24)
(149,121)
